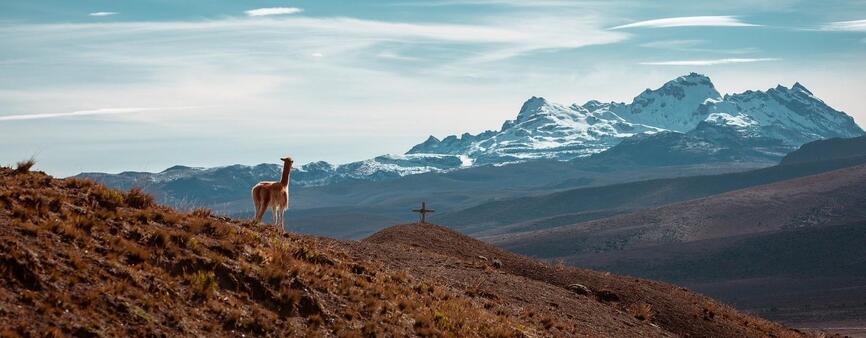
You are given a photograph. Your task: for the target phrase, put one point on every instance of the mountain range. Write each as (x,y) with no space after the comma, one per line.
(686,114)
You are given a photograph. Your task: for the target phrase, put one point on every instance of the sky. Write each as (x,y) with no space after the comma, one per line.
(106,85)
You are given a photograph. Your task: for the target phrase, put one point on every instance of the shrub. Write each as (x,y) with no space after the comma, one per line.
(203,284)
(75,260)
(133,253)
(77,183)
(641,311)
(107,198)
(278,263)
(23,167)
(69,231)
(137,198)
(202,212)
(312,256)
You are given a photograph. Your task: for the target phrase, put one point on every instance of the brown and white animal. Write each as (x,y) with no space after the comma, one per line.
(274,195)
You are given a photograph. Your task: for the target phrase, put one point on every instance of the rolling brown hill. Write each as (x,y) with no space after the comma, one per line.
(834,197)
(791,251)
(82,260)
(572,206)
(435,251)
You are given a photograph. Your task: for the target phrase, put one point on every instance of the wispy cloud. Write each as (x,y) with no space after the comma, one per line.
(256,65)
(273,11)
(395,56)
(846,26)
(696,46)
(707,62)
(103,13)
(103,111)
(510,3)
(689,21)
(489,41)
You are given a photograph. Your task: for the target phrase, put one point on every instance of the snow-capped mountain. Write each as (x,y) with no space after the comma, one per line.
(674,106)
(793,115)
(686,114)
(687,104)
(542,129)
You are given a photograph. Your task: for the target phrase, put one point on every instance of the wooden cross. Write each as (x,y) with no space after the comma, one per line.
(423,212)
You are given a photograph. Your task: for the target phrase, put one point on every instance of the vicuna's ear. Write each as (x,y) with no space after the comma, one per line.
(286,159)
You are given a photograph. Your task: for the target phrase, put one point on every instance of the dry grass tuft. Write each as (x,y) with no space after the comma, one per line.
(106,198)
(641,311)
(137,198)
(24,167)
(202,212)
(203,284)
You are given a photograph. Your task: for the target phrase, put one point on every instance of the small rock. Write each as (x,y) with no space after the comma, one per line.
(579,289)
(482,258)
(606,296)
(497,264)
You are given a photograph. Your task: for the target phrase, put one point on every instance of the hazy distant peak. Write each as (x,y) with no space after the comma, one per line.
(800,87)
(532,106)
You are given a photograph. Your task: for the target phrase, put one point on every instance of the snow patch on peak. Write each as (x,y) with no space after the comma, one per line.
(673,106)
(739,120)
(692,79)
(537,105)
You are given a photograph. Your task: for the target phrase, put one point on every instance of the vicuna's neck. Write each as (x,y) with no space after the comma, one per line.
(284,180)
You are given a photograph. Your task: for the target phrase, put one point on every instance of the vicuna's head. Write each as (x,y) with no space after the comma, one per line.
(287,161)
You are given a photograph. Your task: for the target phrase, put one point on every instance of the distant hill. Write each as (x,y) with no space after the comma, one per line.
(810,276)
(79,259)
(581,204)
(833,197)
(830,149)
(227,190)
(790,250)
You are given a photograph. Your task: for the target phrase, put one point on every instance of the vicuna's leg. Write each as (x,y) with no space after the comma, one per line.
(276,215)
(262,206)
(256,203)
(282,218)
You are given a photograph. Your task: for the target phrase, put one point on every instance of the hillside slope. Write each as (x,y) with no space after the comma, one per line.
(834,197)
(583,204)
(82,260)
(790,251)
(536,285)
(829,149)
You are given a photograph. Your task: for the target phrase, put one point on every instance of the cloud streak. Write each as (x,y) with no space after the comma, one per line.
(491,41)
(846,26)
(510,3)
(689,21)
(103,111)
(696,46)
(103,13)
(708,62)
(273,11)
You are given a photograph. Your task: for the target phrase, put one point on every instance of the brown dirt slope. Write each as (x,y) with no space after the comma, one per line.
(674,310)
(78,259)
(834,197)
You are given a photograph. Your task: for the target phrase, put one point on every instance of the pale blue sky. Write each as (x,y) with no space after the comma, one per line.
(143,85)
